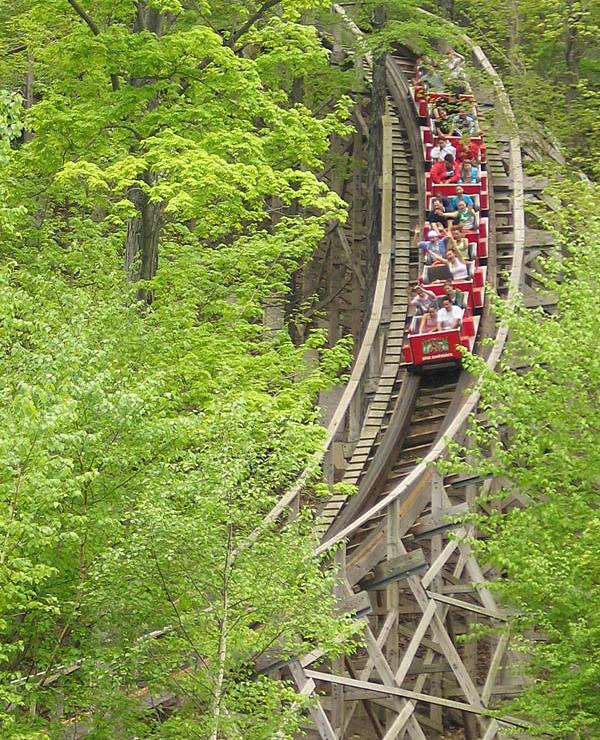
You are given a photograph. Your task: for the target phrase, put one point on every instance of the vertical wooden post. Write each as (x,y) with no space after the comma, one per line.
(437,498)
(338,665)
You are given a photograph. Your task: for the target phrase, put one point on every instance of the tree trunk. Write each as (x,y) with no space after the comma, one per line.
(141,244)
(143,230)
(572,51)
(28,99)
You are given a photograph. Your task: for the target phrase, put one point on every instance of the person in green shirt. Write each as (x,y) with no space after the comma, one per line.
(466,216)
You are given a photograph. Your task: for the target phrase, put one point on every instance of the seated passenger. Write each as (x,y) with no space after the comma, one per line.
(469,149)
(433,248)
(449,316)
(429,321)
(455,62)
(442,147)
(453,104)
(461,195)
(466,216)
(445,171)
(422,299)
(456,296)
(456,264)
(438,214)
(446,202)
(441,120)
(421,70)
(468,172)
(464,124)
(458,241)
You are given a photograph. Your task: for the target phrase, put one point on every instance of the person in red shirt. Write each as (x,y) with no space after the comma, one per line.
(471,151)
(445,171)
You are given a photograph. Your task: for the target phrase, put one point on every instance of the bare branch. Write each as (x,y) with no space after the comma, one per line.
(17,49)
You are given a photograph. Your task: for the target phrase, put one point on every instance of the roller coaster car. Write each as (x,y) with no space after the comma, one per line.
(479,189)
(435,275)
(440,346)
(427,141)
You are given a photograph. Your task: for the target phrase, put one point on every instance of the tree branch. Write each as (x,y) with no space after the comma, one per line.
(95,30)
(267,5)
(84,16)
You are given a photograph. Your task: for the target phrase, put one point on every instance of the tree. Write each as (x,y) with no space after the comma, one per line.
(542,437)
(143,441)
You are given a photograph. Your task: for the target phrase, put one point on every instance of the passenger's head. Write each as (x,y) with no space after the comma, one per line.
(433,235)
(447,303)
(448,288)
(459,191)
(449,159)
(450,253)
(437,203)
(462,206)
(432,310)
(418,289)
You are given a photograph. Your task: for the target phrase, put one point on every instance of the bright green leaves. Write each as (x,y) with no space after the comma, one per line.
(140,447)
(11,119)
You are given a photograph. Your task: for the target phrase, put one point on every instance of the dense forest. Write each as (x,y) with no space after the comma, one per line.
(165,175)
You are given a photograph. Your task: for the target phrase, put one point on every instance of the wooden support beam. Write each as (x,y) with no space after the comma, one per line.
(415,643)
(466,605)
(495,665)
(419,667)
(358,603)
(396,569)
(439,521)
(390,690)
(449,650)
(438,496)
(388,677)
(306,686)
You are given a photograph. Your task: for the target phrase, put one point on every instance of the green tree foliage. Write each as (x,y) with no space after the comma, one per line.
(143,441)
(543,438)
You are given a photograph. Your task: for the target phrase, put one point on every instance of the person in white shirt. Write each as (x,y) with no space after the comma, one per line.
(449,316)
(441,148)
(456,264)
(422,299)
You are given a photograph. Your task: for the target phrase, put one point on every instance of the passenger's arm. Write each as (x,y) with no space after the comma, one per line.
(417,235)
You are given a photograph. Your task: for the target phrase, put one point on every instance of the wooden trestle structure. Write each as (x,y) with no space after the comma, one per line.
(415,586)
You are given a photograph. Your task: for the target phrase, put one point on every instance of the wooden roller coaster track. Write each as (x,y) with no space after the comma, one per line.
(403,565)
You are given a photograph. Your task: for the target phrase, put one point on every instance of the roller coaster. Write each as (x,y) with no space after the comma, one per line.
(405,569)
